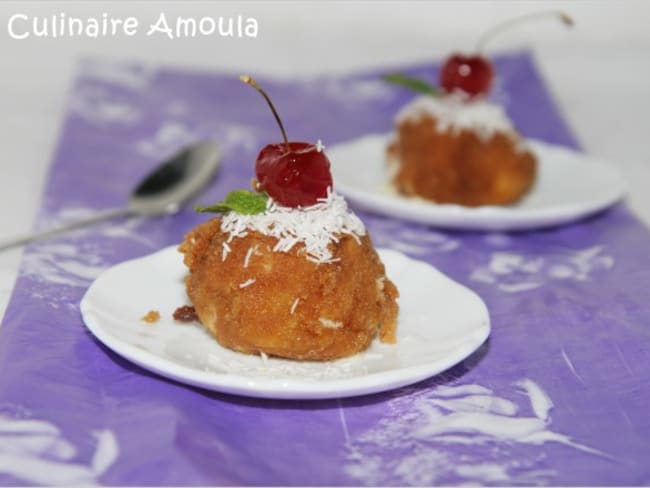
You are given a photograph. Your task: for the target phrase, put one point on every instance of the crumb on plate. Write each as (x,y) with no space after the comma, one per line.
(186,313)
(151,317)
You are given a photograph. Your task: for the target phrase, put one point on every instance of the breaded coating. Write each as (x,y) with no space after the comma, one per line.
(253,299)
(459,167)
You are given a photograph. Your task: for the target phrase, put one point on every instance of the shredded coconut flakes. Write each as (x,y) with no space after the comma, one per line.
(330,324)
(224,251)
(294,305)
(251,250)
(452,113)
(316,227)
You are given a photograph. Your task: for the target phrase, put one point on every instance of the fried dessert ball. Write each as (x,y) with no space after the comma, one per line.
(448,163)
(255,299)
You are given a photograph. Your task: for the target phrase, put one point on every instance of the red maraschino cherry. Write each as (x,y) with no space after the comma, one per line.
(473,74)
(294,174)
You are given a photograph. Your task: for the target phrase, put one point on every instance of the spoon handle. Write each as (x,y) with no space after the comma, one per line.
(93,219)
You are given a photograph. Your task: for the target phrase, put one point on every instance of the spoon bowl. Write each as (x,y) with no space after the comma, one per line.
(163,191)
(175,181)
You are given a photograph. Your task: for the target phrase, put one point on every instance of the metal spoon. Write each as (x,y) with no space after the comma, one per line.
(162,192)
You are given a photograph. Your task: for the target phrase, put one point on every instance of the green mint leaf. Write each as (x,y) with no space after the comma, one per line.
(414,84)
(241,201)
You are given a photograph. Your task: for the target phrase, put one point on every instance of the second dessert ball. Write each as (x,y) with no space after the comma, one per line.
(463,152)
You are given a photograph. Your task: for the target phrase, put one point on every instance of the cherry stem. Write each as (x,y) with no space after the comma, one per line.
(250,81)
(566,20)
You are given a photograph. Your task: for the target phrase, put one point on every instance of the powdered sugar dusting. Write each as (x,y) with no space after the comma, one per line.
(452,113)
(315,227)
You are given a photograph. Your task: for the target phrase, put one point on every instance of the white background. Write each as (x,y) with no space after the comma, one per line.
(599,71)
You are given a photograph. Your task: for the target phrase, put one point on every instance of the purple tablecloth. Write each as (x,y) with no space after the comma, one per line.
(558,395)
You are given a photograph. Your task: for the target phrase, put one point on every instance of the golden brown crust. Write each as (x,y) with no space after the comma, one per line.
(459,167)
(294,308)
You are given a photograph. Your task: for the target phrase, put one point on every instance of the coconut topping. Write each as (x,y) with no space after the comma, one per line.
(246,283)
(294,305)
(225,249)
(330,324)
(453,113)
(316,226)
(251,250)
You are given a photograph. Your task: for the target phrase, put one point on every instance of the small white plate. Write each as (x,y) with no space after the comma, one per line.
(440,324)
(569,187)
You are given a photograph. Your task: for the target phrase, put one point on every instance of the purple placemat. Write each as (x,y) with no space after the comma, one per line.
(558,395)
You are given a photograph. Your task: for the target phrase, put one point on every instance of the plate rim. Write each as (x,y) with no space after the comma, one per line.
(488,217)
(285,387)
